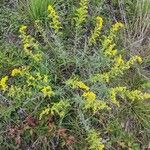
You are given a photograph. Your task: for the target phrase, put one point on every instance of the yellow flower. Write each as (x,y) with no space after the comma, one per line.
(110,51)
(117,26)
(139,59)
(118,61)
(81,85)
(55,24)
(113,98)
(146,96)
(89,96)
(114,92)
(17,71)
(46,111)
(26,46)
(99,105)
(47,91)
(137,95)
(94,141)
(106,42)
(95,34)
(92,103)
(37,57)
(81,13)
(105,77)
(22,28)
(30,43)
(99,21)
(101,147)
(16,92)
(60,108)
(76,83)
(117,69)
(134,59)
(3,84)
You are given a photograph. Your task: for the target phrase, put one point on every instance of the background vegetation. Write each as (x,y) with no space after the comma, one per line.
(74,74)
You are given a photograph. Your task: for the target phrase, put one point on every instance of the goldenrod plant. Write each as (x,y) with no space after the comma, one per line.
(55,23)
(95,142)
(3,83)
(95,34)
(68,84)
(81,13)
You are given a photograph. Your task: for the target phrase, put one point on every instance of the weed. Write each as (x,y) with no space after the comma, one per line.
(65,85)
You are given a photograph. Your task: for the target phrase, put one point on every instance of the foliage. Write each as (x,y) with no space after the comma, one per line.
(64,85)
(35,9)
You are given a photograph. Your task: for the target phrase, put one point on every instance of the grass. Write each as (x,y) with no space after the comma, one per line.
(64,92)
(35,10)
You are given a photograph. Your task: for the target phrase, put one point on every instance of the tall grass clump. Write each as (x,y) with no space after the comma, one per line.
(71,90)
(35,9)
(135,14)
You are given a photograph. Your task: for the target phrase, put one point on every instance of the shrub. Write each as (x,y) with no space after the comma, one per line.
(59,90)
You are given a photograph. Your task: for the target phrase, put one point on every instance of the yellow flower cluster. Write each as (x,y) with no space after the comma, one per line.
(59,108)
(92,103)
(3,83)
(117,69)
(22,29)
(100,77)
(94,141)
(117,26)
(81,13)
(25,39)
(47,91)
(90,96)
(97,30)
(37,57)
(19,92)
(12,91)
(46,111)
(17,71)
(133,60)
(109,47)
(76,83)
(108,43)
(36,77)
(39,82)
(29,43)
(135,95)
(55,23)
(120,65)
(31,80)
(114,92)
